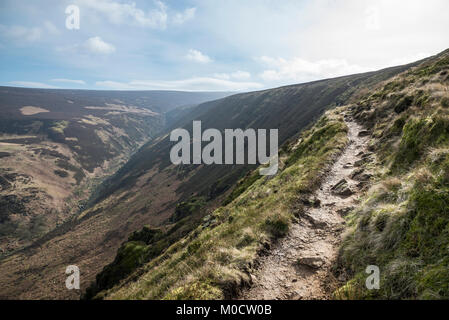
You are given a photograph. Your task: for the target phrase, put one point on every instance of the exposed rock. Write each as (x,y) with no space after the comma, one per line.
(342,189)
(311,202)
(364,133)
(359,163)
(356,173)
(361,176)
(315,223)
(344,211)
(362,185)
(312,262)
(364,177)
(367,155)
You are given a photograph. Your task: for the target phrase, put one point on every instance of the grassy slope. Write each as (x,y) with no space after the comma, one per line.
(295,107)
(213,260)
(402,225)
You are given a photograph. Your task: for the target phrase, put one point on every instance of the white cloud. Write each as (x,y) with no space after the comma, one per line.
(409,59)
(182,17)
(197,56)
(372,18)
(127,13)
(98,46)
(298,69)
(238,75)
(371,33)
(70,81)
(31,84)
(51,28)
(191,84)
(21,33)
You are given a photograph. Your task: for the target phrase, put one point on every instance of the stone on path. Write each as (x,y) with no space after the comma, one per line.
(342,189)
(312,262)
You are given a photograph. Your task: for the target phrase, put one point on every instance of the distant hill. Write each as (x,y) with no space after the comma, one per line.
(57,145)
(63,103)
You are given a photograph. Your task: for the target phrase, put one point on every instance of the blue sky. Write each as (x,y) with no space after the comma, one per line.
(211,45)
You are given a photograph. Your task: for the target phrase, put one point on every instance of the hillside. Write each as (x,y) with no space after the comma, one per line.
(175,202)
(396,215)
(402,223)
(56,146)
(148,190)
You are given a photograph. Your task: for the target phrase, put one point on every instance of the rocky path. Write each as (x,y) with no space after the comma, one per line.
(298,265)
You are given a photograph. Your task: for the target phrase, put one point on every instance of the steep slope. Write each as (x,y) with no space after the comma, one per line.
(399,222)
(215,260)
(402,224)
(172,200)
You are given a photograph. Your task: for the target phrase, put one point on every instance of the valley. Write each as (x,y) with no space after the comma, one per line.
(55,152)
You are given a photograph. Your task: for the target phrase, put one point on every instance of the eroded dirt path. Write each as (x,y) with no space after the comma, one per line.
(297,267)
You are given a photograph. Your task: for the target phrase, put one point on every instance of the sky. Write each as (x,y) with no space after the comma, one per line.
(210,45)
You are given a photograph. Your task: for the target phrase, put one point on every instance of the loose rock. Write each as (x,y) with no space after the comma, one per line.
(312,262)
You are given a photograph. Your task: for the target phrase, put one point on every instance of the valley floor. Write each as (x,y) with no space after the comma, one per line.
(298,267)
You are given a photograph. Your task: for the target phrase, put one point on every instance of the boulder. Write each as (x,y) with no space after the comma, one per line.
(312,262)
(342,189)
(359,163)
(364,133)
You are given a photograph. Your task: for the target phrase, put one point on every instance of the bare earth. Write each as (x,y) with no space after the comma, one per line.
(30,110)
(298,266)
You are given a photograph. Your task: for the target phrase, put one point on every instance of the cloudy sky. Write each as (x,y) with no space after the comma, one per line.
(232,45)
